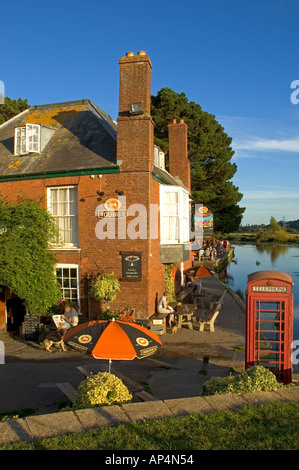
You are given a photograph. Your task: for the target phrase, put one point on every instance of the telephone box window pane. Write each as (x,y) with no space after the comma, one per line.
(269,336)
(268,316)
(267,356)
(269,305)
(272,367)
(269,326)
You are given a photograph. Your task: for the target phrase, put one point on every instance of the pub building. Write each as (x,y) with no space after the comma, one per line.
(105,183)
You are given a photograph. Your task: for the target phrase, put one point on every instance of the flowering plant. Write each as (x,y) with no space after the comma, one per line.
(101,389)
(255,378)
(118,314)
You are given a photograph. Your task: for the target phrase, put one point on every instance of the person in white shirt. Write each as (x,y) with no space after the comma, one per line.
(163,307)
(70,315)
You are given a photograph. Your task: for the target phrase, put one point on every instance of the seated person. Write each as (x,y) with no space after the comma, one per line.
(70,315)
(163,307)
(193,282)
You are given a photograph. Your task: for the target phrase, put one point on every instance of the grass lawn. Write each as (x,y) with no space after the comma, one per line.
(272,426)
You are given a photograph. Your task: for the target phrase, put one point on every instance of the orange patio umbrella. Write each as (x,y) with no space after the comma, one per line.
(201,271)
(110,339)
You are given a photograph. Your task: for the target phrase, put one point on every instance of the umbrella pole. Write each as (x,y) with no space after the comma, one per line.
(109,369)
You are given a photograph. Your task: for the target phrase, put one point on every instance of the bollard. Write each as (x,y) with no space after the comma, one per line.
(205,364)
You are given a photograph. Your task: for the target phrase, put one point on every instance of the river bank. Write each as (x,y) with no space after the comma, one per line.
(250,237)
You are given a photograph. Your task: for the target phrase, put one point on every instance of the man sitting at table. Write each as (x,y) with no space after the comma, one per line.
(193,282)
(163,307)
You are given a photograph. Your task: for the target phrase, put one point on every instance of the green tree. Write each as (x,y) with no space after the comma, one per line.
(26,267)
(209,152)
(11,108)
(274,232)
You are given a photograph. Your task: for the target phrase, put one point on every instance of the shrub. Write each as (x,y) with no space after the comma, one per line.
(255,378)
(101,389)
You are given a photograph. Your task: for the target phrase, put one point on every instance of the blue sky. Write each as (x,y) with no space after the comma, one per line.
(235,58)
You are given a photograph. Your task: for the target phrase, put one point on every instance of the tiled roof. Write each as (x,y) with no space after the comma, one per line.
(80,137)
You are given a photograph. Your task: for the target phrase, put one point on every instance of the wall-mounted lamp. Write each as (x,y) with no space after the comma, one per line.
(120,193)
(135,108)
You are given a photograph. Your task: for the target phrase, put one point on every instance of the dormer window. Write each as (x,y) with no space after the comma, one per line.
(27,139)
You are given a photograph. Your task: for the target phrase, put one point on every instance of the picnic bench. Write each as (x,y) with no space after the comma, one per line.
(136,389)
(217,300)
(184,293)
(184,313)
(68,390)
(158,323)
(207,318)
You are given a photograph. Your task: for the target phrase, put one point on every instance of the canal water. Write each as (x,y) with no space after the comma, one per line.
(249,258)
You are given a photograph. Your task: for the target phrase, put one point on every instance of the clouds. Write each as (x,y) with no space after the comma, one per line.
(277,193)
(261,135)
(267,156)
(284,145)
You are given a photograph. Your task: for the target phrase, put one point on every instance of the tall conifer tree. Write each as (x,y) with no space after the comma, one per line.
(210,154)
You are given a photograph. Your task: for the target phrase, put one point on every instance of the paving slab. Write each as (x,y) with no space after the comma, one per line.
(185,406)
(102,417)
(291,393)
(147,410)
(258,398)
(225,402)
(54,424)
(14,431)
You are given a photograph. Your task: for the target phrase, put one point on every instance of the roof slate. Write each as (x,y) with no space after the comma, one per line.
(84,137)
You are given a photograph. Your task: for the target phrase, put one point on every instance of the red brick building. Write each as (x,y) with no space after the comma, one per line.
(117,208)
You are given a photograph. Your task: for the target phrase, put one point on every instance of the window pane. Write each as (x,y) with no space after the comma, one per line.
(32,137)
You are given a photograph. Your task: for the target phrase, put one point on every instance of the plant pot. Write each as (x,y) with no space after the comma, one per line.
(104,305)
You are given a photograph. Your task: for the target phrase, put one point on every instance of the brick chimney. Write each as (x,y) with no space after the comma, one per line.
(135,128)
(179,164)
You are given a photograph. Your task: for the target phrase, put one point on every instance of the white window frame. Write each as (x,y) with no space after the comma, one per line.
(182,215)
(27,139)
(75,241)
(70,266)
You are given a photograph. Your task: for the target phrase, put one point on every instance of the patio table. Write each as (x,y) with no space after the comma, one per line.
(185,312)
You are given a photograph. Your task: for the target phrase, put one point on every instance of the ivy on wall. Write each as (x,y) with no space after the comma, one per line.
(27,268)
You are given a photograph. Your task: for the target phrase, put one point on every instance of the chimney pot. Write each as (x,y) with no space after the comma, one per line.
(130,54)
(182,121)
(141,53)
(173,120)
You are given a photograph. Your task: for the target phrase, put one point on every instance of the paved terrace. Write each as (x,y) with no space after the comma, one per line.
(175,377)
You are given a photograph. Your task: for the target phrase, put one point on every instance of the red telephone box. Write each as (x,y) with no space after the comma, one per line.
(269,322)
